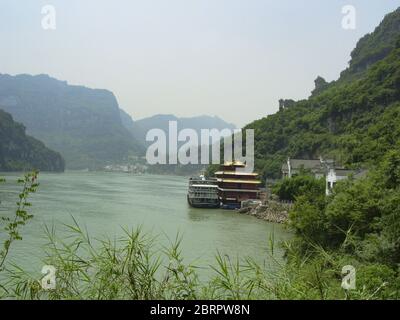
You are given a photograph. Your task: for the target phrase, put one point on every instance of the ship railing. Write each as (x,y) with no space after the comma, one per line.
(203,195)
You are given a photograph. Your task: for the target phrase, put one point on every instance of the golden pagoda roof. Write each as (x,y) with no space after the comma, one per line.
(239,181)
(235,163)
(238,173)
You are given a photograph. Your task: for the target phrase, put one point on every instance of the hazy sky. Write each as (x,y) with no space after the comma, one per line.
(231,58)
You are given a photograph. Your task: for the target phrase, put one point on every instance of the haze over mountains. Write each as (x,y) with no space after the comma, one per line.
(82,124)
(86,126)
(140,127)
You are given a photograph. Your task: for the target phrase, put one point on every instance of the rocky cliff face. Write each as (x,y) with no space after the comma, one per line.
(83,124)
(376,45)
(354,120)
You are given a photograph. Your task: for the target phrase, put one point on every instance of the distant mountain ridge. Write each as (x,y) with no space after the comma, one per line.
(139,128)
(83,124)
(19,152)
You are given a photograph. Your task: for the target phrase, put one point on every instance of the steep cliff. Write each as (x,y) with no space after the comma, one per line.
(21,152)
(83,124)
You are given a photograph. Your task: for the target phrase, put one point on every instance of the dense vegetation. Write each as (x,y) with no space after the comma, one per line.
(357,225)
(83,124)
(304,183)
(354,119)
(19,152)
(375,46)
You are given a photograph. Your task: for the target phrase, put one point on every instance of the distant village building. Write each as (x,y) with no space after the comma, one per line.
(320,168)
(293,167)
(335,175)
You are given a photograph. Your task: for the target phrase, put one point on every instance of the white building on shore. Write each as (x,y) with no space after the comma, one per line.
(320,169)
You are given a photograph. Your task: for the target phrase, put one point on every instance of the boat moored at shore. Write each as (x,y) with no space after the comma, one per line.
(203,193)
(231,186)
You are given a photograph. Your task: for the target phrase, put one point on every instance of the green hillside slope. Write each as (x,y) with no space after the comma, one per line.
(355,119)
(21,152)
(83,124)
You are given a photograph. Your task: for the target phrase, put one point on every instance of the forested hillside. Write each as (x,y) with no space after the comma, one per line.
(355,119)
(21,152)
(83,124)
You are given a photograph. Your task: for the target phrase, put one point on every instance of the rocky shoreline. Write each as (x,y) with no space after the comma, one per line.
(271,210)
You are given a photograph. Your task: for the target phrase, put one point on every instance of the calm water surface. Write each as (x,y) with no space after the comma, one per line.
(106,202)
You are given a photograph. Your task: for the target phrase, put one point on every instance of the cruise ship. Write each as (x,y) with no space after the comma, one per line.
(203,193)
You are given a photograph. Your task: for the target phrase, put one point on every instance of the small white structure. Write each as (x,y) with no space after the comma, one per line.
(335,175)
(331,179)
(320,168)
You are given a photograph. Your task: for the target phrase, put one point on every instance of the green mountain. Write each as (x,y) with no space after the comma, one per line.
(375,46)
(355,119)
(83,124)
(21,152)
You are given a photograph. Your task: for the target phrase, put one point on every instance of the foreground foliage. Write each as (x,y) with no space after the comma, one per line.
(135,267)
(359,223)
(304,183)
(11,225)
(132,268)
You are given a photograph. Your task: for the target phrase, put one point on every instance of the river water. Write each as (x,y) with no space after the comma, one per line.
(105,203)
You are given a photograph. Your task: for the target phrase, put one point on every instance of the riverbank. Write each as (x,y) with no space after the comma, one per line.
(271,210)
